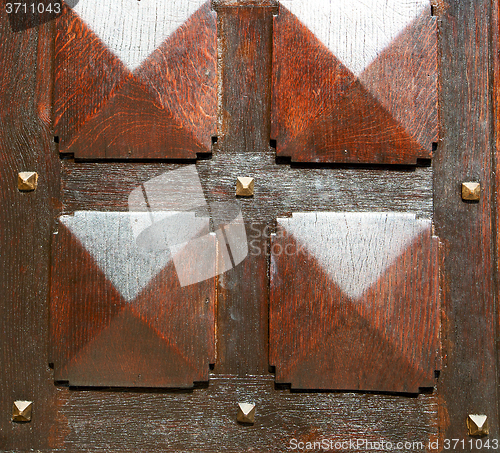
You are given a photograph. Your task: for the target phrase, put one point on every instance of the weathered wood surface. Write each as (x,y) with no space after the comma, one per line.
(76,420)
(244,40)
(354,302)
(355,82)
(204,420)
(146,92)
(119,315)
(26,144)
(468,383)
(99,186)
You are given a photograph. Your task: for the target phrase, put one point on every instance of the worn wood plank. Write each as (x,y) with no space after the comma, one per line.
(244,41)
(120,314)
(495,50)
(354,302)
(201,420)
(204,420)
(99,186)
(346,91)
(26,144)
(143,88)
(468,383)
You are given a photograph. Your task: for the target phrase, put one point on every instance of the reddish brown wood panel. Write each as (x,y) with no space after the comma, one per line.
(384,113)
(354,302)
(469,381)
(161,107)
(118,313)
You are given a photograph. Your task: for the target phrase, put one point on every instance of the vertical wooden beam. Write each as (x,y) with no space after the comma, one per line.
(495,60)
(26,144)
(469,380)
(244,62)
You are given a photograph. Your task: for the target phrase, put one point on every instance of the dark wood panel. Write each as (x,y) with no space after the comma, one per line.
(80,90)
(404,79)
(120,315)
(468,382)
(245,42)
(495,50)
(26,144)
(323,112)
(242,306)
(280,189)
(133,125)
(164,108)
(67,420)
(182,75)
(354,302)
(204,420)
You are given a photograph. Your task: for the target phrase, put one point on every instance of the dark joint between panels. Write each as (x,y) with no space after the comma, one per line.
(158,390)
(280,160)
(206,385)
(421,163)
(216,4)
(421,391)
(287,160)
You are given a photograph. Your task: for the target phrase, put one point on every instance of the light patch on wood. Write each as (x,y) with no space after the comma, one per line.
(356,31)
(354,248)
(109,238)
(133,29)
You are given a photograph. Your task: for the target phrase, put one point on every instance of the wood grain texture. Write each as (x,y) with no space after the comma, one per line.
(133,125)
(133,31)
(354,302)
(245,42)
(323,112)
(164,109)
(468,383)
(495,50)
(26,144)
(404,79)
(280,188)
(118,315)
(357,31)
(204,420)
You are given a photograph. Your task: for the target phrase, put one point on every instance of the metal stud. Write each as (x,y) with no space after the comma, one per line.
(21,411)
(471,191)
(244,187)
(477,425)
(246,413)
(27,181)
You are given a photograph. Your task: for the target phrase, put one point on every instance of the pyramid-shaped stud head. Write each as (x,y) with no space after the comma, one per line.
(244,187)
(21,411)
(246,413)
(477,425)
(27,181)
(471,191)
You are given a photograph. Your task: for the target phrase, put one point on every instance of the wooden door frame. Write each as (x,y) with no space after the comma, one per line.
(204,419)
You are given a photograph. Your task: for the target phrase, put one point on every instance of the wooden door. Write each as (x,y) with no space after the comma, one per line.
(348,291)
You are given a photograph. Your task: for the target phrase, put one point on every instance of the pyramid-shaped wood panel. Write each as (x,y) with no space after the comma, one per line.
(136,87)
(118,315)
(355,82)
(354,302)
